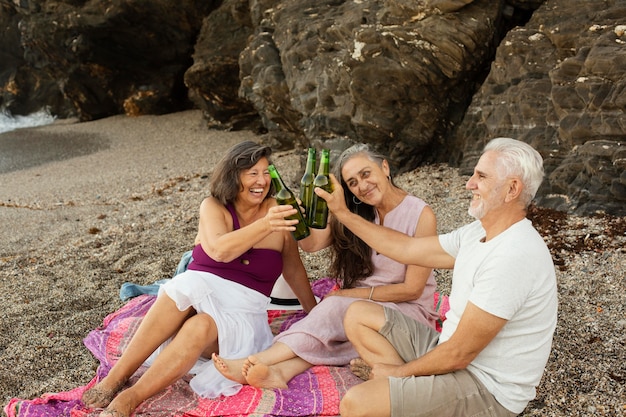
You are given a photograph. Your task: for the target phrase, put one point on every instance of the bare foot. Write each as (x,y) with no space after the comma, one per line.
(122,406)
(230,368)
(101,394)
(260,375)
(360,368)
(112,413)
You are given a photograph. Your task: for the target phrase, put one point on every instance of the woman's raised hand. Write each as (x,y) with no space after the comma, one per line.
(335,200)
(277,221)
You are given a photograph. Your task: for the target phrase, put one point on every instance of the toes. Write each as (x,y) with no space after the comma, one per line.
(360,368)
(218,361)
(99,396)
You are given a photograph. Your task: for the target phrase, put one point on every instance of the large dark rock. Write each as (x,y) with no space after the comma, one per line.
(388,73)
(421,80)
(24,88)
(559,84)
(110,57)
(213,80)
(592,178)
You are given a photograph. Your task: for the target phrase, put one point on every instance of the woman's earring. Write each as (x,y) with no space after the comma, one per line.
(356,200)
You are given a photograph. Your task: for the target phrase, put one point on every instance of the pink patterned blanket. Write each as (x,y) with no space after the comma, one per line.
(315,392)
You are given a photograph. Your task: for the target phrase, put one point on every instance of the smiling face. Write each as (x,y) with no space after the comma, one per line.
(255,183)
(488,187)
(365,179)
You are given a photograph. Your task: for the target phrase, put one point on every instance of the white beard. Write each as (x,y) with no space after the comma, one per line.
(477,211)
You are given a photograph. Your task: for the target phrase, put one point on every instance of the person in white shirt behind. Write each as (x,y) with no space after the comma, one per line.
(497,337)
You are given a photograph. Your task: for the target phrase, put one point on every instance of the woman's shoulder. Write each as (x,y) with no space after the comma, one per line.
(212,203)
(413,199)
(412,203)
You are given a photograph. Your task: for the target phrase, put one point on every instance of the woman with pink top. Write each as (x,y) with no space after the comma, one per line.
(362,274)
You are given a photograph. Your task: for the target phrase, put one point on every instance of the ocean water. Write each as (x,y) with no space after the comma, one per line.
(40,118)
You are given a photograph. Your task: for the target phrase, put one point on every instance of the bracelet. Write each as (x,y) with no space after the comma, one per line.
(371,292)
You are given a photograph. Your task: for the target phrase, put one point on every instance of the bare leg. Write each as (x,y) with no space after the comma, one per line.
(160,323)
(197,336)
(233,368)
(362,322)
(370,398)
(260,375)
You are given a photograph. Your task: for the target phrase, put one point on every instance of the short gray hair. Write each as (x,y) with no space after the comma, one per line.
(520,159)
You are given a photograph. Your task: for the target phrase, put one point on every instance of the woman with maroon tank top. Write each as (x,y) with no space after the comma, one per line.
(242,246)
(319,338)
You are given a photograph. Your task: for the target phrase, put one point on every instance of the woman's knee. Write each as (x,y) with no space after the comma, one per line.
(199,333)
(200,325)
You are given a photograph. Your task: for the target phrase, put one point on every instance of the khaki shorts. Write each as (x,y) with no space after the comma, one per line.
(455,394)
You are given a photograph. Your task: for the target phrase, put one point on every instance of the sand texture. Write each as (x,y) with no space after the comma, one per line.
(77,223)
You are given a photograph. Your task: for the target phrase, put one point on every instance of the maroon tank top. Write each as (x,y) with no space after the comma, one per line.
(256,268)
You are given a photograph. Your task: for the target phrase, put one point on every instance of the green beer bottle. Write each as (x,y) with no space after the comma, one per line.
(285,196)
(319,209)
(306,184)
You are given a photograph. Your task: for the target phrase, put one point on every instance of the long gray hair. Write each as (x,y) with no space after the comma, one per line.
(351,257)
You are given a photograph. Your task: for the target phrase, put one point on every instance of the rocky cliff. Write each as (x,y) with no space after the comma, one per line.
(421,80)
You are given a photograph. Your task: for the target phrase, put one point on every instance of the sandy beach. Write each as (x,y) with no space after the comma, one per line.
(117,202)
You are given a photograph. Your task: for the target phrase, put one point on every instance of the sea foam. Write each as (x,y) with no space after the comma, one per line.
(40,118)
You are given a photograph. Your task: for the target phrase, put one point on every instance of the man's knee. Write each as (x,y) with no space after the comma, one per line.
(348,407)
(364,313)
(370,398)
(351,316)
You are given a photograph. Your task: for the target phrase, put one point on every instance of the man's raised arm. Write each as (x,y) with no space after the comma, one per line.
(424,251)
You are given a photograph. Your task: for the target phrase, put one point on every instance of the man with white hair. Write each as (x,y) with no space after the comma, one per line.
(497,336)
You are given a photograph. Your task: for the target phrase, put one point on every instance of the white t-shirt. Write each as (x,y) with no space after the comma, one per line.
(512,277)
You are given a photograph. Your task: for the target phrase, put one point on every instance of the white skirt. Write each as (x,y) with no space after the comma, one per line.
(241,317)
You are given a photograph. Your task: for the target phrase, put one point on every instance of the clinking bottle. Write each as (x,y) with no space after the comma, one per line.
(306,183)
(319,209)
(285,196)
